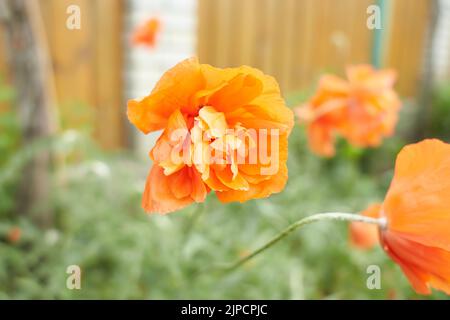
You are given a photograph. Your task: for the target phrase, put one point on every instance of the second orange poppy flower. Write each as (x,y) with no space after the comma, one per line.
(362,108)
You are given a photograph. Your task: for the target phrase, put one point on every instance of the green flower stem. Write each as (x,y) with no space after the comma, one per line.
(302,222)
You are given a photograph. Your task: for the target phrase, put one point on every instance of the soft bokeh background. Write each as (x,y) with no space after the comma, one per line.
(72,169)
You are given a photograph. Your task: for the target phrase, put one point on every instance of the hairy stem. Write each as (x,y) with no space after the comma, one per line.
(302,222)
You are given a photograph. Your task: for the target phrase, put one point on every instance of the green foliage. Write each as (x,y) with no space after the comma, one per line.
(439,126)
(10,137)
(76,115)
(9,145)
(125,254)
(6,92)
(9,125)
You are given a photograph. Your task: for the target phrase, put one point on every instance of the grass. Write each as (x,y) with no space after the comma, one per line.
(123,253)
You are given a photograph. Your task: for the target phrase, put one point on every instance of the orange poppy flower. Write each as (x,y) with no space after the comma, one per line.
(14,235)
(224,130)
(364,235)
(146,33)
(417,213)
(362,108)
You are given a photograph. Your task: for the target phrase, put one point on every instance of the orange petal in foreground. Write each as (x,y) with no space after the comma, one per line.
(362,109)
(224,130)
(417,213)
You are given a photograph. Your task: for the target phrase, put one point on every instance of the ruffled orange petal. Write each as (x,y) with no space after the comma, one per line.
(257,191)
(173,149)
(239,91)
(249,97)
(418,201)
(164,194)
(321,140)
(269,185)
(173,91)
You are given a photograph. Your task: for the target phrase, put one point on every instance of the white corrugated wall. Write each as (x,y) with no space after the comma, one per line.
(441,51)
(176,41)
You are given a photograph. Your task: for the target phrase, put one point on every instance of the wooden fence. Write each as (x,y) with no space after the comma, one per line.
(293,40)
(87,66)
(297,40)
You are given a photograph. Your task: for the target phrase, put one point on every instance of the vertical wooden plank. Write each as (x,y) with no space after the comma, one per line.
(270,28)
(110,109)
(73,60)
(224,39)
(247,32)
(205,31)
(260,44)
(405,53)
(288,15)
(236,19)
(361,49)
(305,45)
(275,48)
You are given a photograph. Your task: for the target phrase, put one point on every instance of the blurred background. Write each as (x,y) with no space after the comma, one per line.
(72,169)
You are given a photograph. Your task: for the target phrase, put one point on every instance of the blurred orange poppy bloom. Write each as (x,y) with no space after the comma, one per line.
(146,33)
(224,130)
(362,108)
(364,235)
(417,213)
(14,235)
